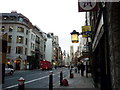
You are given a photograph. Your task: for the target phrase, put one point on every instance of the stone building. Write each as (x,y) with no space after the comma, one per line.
(106,46)
(17,26)
(26,42)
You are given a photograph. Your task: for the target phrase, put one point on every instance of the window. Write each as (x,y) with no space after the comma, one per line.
(37,39)
(19,50)
(31,36)
(20,19)
(10,38)
(8,49)
(25,51)
(26,32)
(32,46)
(20,29)
(12,17)
(37,46)
(19,39)
(26,41)
(10,28)
(3,28)
(5,18)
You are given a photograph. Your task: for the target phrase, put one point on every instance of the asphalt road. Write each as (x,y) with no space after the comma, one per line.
(34,78)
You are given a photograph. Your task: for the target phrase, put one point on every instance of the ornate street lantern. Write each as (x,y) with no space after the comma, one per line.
(74,36)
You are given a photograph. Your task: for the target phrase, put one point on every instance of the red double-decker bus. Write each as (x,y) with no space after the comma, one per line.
(45,65)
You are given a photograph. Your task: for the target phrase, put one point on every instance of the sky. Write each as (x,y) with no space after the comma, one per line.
(60,17)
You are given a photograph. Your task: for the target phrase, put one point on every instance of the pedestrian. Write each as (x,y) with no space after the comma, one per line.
(78,66)
(75,69)
(82,66)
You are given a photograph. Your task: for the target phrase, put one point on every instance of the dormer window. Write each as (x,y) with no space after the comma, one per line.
(5,18)
(12,17)
(20,19)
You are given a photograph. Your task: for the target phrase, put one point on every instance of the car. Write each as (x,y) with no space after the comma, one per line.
(9,71)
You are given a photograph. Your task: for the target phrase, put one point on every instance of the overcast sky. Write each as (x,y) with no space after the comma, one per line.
(58,16)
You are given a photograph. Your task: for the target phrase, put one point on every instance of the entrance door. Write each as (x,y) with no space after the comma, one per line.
(18,62)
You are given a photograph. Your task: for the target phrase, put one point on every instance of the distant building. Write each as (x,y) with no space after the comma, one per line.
(71,55)
(67,60)
(49,47)
(53,50)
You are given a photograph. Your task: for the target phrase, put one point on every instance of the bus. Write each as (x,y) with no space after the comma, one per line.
(45,65)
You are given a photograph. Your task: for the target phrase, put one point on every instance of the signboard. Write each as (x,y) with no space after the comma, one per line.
(87,6)
(86,30)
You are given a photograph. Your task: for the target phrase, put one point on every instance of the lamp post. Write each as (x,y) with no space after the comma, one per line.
(75,39)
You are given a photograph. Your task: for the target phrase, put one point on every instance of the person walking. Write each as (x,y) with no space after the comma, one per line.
(82,66)
(79,66)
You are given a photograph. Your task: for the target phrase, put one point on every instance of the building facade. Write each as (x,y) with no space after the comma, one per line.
(49,47)
(53,52)
(105,45)
(26,43)
(17,26)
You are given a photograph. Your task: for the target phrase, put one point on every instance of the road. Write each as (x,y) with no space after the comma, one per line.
(34,78)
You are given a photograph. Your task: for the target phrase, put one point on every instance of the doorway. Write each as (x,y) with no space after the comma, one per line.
(18,62)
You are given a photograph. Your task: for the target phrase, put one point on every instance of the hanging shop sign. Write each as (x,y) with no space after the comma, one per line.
(86,31)
(87,6)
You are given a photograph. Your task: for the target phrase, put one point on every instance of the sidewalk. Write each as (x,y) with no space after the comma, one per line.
(77,82)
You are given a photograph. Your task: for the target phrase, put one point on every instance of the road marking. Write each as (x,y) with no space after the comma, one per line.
(18,77)
(29,81)
(11,86)
(35,80)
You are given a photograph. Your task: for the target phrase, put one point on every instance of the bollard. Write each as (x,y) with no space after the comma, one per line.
(21,85)
(61,78)
(51,81)
(71,73)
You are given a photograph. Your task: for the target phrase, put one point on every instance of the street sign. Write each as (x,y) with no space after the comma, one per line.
(86,30)
(87,6)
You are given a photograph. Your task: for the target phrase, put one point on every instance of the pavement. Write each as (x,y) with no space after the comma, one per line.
(78,82)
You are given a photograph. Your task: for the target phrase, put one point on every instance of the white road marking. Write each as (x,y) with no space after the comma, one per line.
(17,77)
(29,81)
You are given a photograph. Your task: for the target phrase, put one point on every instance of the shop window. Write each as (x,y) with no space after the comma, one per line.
(19,39)
(19,50)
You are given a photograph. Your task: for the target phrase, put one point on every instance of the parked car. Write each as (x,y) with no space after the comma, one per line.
(9,70)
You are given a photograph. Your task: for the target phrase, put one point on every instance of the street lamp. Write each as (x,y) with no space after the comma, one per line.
(74,36)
